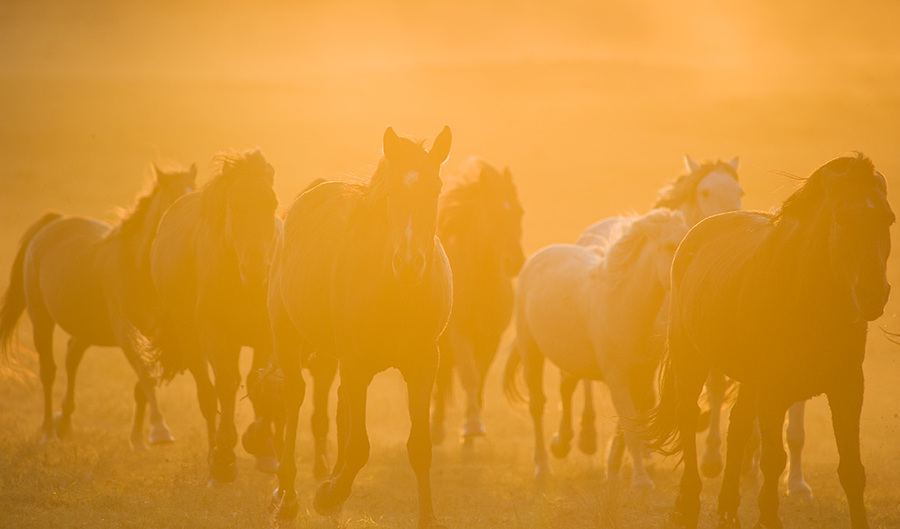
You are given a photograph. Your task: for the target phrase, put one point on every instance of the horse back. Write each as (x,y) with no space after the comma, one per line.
(314,230)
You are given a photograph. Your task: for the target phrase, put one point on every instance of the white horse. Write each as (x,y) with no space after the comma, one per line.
(592,312)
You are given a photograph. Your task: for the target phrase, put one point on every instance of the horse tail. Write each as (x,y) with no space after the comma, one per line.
(165,349)
(662,431)
(510,380)
(13,303)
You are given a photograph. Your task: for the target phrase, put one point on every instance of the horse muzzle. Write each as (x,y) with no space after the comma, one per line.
(870,303)
(408,271)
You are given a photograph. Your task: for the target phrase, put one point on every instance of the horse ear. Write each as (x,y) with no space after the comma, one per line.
(155,171)
(690,164)
(391,143)
(441,148)
(735,163)
(193,170)
(507,175)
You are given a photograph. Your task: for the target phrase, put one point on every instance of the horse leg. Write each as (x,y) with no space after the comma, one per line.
(419,383)
(796,437)
(324,372)
(846,406)
(740,427)
(466,367)
(288,353)
(711,463)
(258,439)
(332,494)
(206,397)
(222,468)
(442,388)
(772,459)
(533,364)
(587,437)
(559,444)
(620,391)
(74,354)
(42,328)
(644,395)
(159,432)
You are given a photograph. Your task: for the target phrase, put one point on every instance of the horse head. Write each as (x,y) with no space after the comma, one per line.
(250,215)
(716,189)
(412,185)
(504,221)
(860,240)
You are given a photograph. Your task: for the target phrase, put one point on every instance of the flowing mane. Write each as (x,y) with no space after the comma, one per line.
(478,183)
(622,249)
(810,196)
(682,189)
(133,222)
(229,167)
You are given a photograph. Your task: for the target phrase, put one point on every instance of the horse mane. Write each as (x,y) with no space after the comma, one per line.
(228,167)
(477,181)
(810,195)
(682,188)
(623,247)
(133,222)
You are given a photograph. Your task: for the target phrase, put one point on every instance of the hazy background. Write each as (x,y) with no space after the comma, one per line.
(591,104)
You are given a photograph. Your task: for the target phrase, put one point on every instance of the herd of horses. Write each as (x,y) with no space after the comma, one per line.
(360,276)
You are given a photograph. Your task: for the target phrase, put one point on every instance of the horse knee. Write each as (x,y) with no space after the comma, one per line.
(852,476)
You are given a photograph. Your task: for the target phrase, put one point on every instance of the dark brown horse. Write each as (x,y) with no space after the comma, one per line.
(480,226)
(361,276)
(210,262)
(93,280)
(779,303)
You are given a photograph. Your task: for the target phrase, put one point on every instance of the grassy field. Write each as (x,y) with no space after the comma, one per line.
(587,135)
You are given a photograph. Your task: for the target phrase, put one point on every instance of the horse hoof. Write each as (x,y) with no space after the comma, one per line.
(800,490)
(48,438)
(642,484)
(558,447)
(160,434)
(324,502)
(267,464)
(138,445)
(223,472)
(587,442)
(542,471)
(256,441)
(728,521)
(285,505)
(473,428)
(431,524)
(772,524)
(62,426)
(711,466)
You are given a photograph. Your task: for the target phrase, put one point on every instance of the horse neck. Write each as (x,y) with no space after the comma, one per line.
(136,241)
(690,211)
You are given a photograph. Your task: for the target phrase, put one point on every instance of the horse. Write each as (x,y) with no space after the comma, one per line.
(704,189)
(361,276)
(210,262)
(591,313)
(93,280)
(480,226)
(780,303)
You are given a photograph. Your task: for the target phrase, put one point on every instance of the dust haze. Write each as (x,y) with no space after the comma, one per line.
(591,105)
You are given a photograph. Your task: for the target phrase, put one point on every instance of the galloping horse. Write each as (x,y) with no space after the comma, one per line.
(592,313)
(210,262)
(93,280)
(361,276)
(779,303)
(480,226)
(705,189)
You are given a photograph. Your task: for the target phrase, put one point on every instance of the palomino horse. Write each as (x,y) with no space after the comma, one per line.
(779,303)
(592,314)
(480,226)
(210,262)
(360,275)
(93,280)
